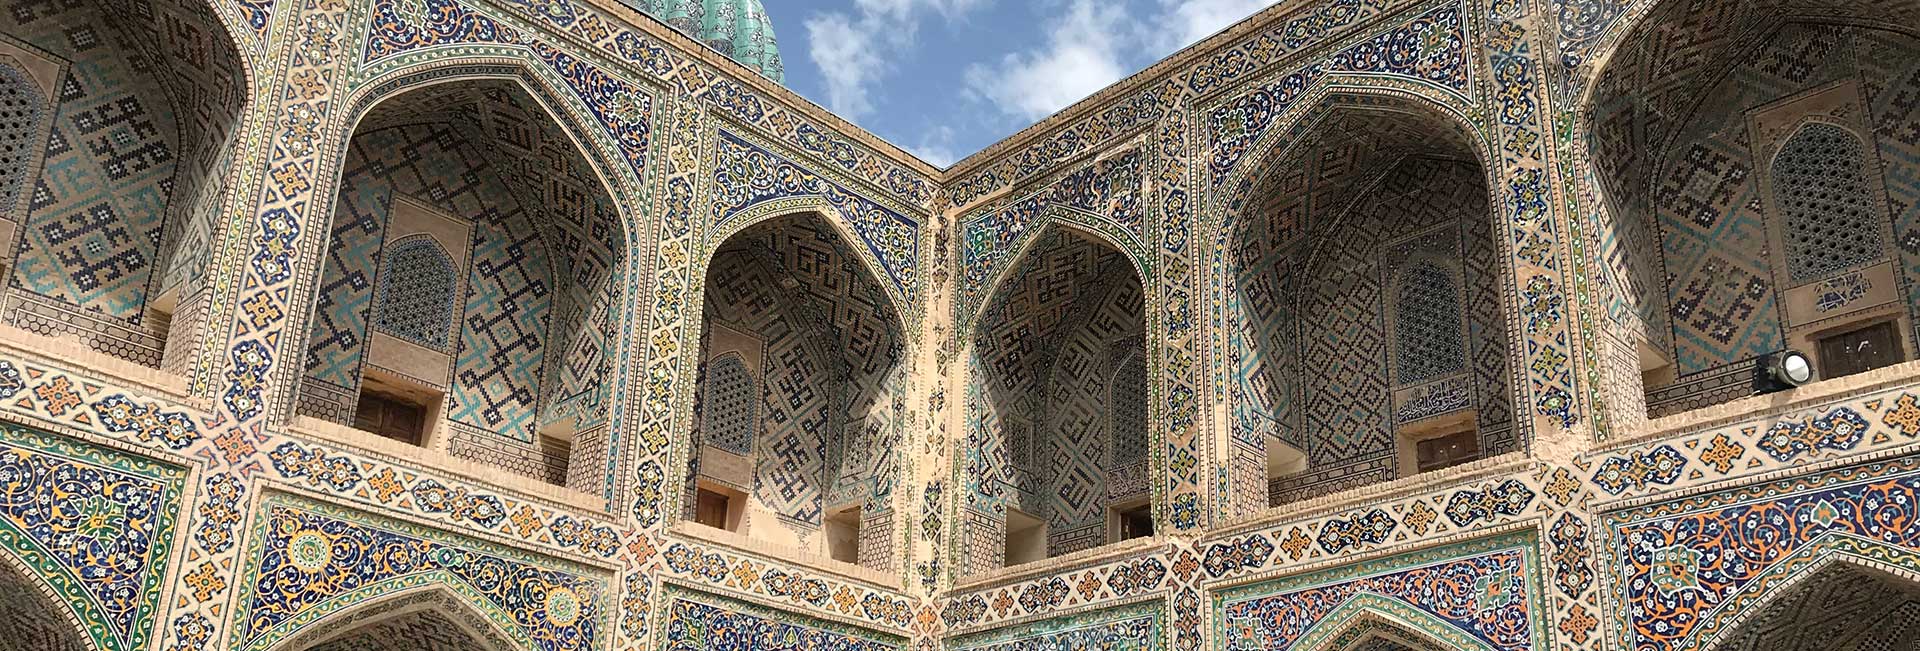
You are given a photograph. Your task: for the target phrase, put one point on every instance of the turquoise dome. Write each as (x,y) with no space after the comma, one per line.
(737,28)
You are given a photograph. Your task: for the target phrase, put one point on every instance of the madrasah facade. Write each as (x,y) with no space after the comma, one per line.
(561,325)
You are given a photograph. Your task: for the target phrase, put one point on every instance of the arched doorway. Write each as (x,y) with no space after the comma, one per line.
(1756,169)
(472,284)
(118,125)
(33,621)
(1840,607)
(801,401)
(1057,437)
(1365,332)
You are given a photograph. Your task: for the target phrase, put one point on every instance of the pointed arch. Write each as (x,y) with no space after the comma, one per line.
(1829,553)
(1300,248)
(566,277)
(471,616)
(35,618)
(1366,610)
(789,289)
(1054,220)
(819,208)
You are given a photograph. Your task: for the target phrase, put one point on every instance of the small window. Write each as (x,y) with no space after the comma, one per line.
(713,509)
(1860,350)
(392,417)
(843,535)
(1026,539)
(1447,451)
(1133,522)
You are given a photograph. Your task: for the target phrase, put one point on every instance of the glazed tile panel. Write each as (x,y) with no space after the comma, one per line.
(1137,627)
(95,524)
(310,560)
(1693,566)
(1481,594)
(699,621)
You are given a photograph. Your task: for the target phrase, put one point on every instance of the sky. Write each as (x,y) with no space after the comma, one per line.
(945,78)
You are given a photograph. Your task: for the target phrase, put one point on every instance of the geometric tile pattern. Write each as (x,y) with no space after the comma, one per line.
(1836,608)
(127,157)
(731,406)
(1045,349)
(416,292)
(1827,201)
(423,631)
(1135,628)
(833,345)
(1356,315)
(33,622)
(1690,174)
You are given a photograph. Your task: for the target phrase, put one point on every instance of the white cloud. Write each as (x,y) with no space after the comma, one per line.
(1094,44)
(851,48)
(936,146)
(1185,22)
(1083,54)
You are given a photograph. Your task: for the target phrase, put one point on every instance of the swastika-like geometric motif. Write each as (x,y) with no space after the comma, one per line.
(95,217)
(22,112)
(1427,320)
(1831,213)
(834,344)
(1683,182)
(417,282)
(145,100)
(730,415)
(1046,344)
(95,525)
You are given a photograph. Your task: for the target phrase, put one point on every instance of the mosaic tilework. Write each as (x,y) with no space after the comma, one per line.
(1695,564)
(747,175)
(1135,628)
(730,405)
(34,622)
(1103,196)
(128,162)
(416,299)
(312,559)
(1086,589)
(1344,419)
(96,525)
(23,115)
(695,620)
(833,343)
(1835,607)
(767,580)
(1483,591)
(1044,351)
(1691,175)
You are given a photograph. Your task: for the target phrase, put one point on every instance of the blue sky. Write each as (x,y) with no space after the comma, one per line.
(946,78)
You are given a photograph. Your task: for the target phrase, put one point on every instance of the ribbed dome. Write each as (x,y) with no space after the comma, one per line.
(737,28)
